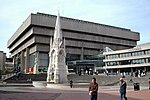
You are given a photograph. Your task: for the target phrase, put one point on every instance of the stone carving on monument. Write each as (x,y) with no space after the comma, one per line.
(57,71)
(36,64)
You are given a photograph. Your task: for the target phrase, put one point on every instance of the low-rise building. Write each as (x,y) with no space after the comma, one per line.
(9,64)
(2,60)
(134,60)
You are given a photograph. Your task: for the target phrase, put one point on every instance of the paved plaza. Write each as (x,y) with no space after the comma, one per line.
(34,93)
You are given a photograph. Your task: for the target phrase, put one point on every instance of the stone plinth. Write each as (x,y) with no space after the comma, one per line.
(58,86)
(50,85)
(39,83)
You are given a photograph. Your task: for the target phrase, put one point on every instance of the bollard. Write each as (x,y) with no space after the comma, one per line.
(136,86)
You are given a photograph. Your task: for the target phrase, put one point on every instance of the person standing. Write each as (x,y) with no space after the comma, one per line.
(149,83)
(71,83)
(123,86)
(93,89)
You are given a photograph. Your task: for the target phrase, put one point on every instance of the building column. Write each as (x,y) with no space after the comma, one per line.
(131,71)
(27,60)
(22,62)
(18,60)
(82,54)
(118,72)
(145,69)
(82,51)
(13,61)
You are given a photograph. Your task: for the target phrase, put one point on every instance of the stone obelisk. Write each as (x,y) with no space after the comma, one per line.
(57,71)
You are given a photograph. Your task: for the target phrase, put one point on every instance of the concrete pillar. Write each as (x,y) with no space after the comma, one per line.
(118,72)
(82,54)
(22,61)
(17,60)
(14,61)
(145,69)
(27,60)
(82,51)
(111,70)
(131,71)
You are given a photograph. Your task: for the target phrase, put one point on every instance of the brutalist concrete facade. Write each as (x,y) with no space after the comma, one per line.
(83,39)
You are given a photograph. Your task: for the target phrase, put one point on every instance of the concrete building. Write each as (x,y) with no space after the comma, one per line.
(9,66)
(132,60)
(83,39)
(2,60)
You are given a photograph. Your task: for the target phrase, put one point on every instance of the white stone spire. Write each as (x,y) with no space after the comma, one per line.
(57,32)
(57,71)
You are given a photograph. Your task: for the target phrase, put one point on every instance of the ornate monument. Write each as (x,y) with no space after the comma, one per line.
(36,64)
(57,71)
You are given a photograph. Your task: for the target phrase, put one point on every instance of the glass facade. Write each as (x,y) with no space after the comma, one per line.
(72,57)
(43,59)
(126,55)
(31,60)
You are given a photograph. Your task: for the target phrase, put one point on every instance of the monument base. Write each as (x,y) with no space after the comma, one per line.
(58,86)
(39,83)
(44,84)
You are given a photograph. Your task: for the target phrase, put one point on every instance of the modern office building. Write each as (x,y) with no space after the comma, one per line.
(83,39)
(128,60)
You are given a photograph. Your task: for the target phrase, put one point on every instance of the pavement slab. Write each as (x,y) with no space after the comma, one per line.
(104,93)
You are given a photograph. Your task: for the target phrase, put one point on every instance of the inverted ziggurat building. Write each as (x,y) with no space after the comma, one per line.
(82,39)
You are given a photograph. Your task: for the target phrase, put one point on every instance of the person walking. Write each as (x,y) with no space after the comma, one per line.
(71,83)
(123,86)
(93,89)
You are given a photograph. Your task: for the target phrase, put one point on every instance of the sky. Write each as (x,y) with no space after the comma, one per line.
(130,14)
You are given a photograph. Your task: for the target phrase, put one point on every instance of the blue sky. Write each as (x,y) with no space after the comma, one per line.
(130,14)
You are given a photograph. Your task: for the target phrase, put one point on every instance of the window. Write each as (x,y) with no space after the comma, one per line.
(138,61)
(147,52)
(43,59)
(72,57)
(148,60)
(31,60)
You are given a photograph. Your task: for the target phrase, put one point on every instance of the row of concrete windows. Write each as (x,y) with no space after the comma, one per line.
(73,57)
(44,59)
(97,38)
(130,54)
(128,62)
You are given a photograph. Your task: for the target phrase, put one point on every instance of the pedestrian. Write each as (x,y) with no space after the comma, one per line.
(93,89)
(149,83)
(71,83)
(123,86)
